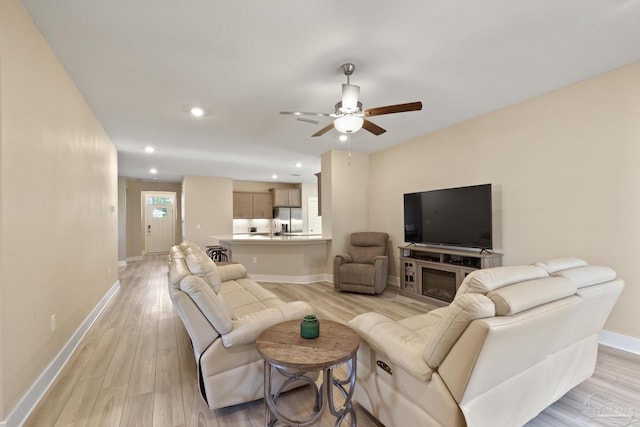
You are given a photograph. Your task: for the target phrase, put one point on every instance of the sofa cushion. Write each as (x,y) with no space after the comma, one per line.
(359,274)
(201,265)
(400,344)
(232,272)
(557,264)
(178,270)
(213,306)
(462,311)
(423,324)
(247,328)
(186,244)
(488,279)
(522,296)
(246,296)
(176,252)
(588,275)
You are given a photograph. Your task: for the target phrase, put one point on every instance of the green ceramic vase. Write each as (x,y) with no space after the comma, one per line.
(310,327)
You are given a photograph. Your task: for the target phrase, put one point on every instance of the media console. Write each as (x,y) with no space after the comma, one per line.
(433,274)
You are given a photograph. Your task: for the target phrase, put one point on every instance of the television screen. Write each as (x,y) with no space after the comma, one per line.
(453,216)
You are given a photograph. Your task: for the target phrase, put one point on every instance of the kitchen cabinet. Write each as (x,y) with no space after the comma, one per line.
(252,205)
(262,205)
(242,205)
(286,197)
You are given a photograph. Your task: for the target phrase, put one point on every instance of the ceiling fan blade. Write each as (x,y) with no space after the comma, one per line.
(302,113)
(323,130)
(389,109)
(373,128)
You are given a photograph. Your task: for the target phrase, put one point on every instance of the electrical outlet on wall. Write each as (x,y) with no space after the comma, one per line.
(52,323)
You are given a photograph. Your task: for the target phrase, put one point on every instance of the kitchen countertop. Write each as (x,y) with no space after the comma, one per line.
(262,238)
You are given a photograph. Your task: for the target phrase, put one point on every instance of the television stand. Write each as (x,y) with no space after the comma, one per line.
(433,274)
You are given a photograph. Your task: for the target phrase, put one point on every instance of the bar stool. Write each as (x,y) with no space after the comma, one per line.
(217,253)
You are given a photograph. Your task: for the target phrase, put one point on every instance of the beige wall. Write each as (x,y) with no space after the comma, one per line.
(208,208)
(345,199)
(59,206)
(134,223)
(122,219)
(565,172)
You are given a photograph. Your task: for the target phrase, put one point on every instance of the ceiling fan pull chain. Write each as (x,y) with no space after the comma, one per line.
(349,140)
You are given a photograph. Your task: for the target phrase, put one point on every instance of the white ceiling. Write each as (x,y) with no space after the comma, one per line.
(141,64)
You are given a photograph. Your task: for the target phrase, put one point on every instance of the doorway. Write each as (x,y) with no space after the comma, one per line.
(159,221)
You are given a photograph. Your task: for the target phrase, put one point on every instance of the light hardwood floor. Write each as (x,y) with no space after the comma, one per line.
(135,366)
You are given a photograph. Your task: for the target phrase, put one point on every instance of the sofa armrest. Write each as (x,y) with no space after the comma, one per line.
(400,344)
(200,330)
(246,329)
(381,264)
(337,262)
(343,259)
(232,272)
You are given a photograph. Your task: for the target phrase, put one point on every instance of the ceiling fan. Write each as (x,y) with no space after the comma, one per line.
(349,117)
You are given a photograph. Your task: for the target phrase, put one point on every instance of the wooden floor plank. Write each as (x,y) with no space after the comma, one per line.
(119,369)
(138,411)
(79,407)
(108,408)
(135,366)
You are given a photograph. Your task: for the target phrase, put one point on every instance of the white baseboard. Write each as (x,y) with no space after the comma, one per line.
(31,398)
(619,341)
(122,263)
(394,280)
(135,258)
(303,280)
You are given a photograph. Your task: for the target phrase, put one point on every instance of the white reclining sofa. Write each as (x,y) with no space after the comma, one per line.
(223,312)
(513,341)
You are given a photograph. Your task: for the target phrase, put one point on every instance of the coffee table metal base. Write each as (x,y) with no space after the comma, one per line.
(323,395)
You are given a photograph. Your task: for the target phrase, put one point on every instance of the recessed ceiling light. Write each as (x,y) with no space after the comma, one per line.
(298,165)
(197,112)
(153,170)
(274,176)
(149,149)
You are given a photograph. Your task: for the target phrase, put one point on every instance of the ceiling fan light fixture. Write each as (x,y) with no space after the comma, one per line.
(350,95)
(348,123)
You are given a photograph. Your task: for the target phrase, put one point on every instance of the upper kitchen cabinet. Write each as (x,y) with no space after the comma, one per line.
(286,197)
(252,205)
(262,205)
(242,205)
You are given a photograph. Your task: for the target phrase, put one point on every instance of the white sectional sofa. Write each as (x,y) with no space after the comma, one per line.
(224,311)
(513,341)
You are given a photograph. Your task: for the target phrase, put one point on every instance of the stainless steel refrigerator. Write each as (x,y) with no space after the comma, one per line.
(289,219)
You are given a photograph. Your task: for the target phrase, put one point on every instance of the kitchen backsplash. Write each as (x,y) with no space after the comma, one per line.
(242,226)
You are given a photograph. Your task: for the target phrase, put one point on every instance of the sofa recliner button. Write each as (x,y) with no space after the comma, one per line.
(384,367)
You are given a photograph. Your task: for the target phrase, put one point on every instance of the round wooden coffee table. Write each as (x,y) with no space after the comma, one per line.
(282,348)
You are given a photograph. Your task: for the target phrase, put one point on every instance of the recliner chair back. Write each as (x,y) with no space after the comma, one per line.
(366,245)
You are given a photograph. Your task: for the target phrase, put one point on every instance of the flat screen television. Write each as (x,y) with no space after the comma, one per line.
(450,217)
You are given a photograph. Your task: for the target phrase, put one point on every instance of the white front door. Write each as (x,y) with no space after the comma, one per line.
(159,221)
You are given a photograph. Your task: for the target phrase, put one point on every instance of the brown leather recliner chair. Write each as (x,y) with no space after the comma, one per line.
(364,268)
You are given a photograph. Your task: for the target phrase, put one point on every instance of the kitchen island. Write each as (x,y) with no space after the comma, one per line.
(294,258)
